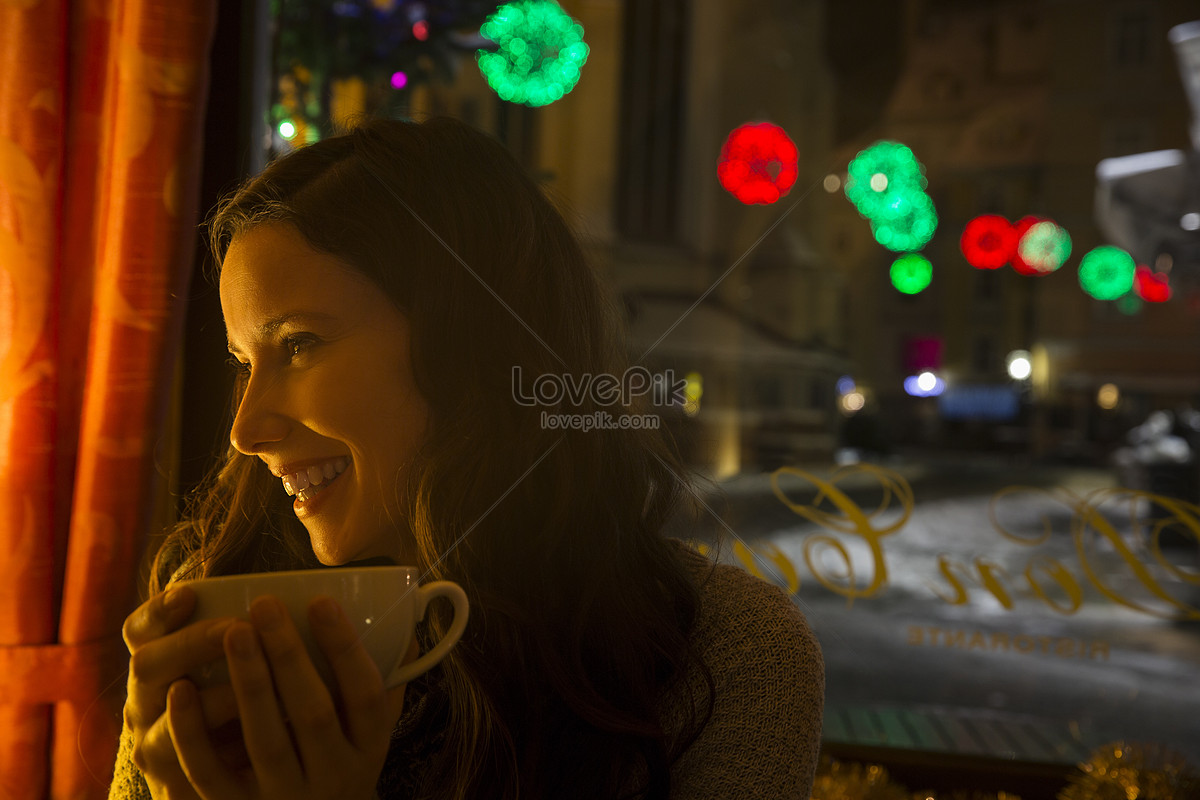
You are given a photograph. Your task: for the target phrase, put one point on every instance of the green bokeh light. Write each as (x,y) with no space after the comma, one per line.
(1106,273)
(911,273)
(907,224)
(1130,305)
(881,174)
(887,184)
(540,50)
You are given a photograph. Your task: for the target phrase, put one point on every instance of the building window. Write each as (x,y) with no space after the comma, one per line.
(651,125)
(1131,38)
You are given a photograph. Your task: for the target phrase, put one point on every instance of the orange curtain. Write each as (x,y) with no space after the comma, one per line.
(101,114)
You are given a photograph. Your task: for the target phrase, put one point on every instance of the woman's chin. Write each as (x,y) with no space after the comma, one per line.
(328,553)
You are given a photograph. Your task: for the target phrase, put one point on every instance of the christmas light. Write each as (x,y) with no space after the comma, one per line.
(1043,248)
(540,51)
(1106,273)
(1130,304)
(988,241)
(911,273)
(399,80)
(758,163)
(420,30)
(887,184)
(908,223)
(1150,286)
(880,174)
(286,129)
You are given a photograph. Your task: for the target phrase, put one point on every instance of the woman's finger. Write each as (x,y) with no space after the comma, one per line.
(219,705)
(154,755)
(266,736)
(156,664)
(210,777)
(368,711)
(158,616)
(305,698)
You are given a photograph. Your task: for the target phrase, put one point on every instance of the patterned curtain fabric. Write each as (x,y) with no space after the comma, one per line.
(101,114)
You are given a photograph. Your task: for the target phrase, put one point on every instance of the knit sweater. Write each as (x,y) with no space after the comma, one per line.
(763,736)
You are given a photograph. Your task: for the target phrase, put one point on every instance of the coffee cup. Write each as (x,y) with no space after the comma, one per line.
(383,602)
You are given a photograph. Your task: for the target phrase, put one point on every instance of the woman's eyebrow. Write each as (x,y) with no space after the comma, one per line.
(269,328)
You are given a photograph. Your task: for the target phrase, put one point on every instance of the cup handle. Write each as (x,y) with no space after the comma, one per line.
(403,673)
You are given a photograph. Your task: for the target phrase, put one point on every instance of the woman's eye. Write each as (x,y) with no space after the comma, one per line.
(297,344)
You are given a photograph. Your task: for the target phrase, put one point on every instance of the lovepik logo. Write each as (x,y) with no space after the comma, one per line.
(549,389)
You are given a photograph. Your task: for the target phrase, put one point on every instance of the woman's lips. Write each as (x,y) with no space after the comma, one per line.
(309,501)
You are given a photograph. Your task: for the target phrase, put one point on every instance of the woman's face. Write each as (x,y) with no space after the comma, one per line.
(330,406)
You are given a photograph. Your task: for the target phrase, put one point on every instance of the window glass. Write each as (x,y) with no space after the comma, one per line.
(984,495)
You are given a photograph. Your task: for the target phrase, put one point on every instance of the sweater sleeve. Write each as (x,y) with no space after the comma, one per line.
(764,734)
(128,782)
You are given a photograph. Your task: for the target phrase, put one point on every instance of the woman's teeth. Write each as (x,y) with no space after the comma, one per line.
(305,483)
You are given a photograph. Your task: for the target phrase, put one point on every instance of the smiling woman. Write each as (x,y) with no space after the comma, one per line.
(380,289)
(318,346)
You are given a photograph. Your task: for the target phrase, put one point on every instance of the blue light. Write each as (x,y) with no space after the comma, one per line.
(924,385)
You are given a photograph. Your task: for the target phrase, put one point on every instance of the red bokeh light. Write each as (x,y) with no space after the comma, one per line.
(1150,286)
(989,241)
(1020,228)
(758,163)
(420,30)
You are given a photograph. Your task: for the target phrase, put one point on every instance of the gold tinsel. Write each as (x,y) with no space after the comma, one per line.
(838,781)
(842,781)
(1131,771)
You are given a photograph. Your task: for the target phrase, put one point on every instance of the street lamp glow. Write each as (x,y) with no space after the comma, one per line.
(1019,365)
(1190,221)
(924,385)
(1108,396)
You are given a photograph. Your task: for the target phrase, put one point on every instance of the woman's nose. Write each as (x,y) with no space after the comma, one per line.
(260,421)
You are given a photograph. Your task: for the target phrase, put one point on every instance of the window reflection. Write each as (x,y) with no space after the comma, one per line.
(983,491)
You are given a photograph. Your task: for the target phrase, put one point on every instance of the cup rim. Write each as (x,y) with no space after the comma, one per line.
(400,568)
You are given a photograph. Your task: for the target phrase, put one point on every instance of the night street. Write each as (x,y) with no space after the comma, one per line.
(1067,666)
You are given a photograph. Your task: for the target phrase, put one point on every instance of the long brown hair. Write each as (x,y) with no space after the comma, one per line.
(580,608)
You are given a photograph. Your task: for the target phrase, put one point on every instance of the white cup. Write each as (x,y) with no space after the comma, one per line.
(383,602)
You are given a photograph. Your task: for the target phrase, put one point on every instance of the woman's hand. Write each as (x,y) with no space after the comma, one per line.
(162,652)
(298,744)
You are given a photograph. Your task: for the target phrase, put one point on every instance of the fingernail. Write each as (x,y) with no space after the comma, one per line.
(242,642)
(326,611)
(181,694)
(267,613)
(173,600)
